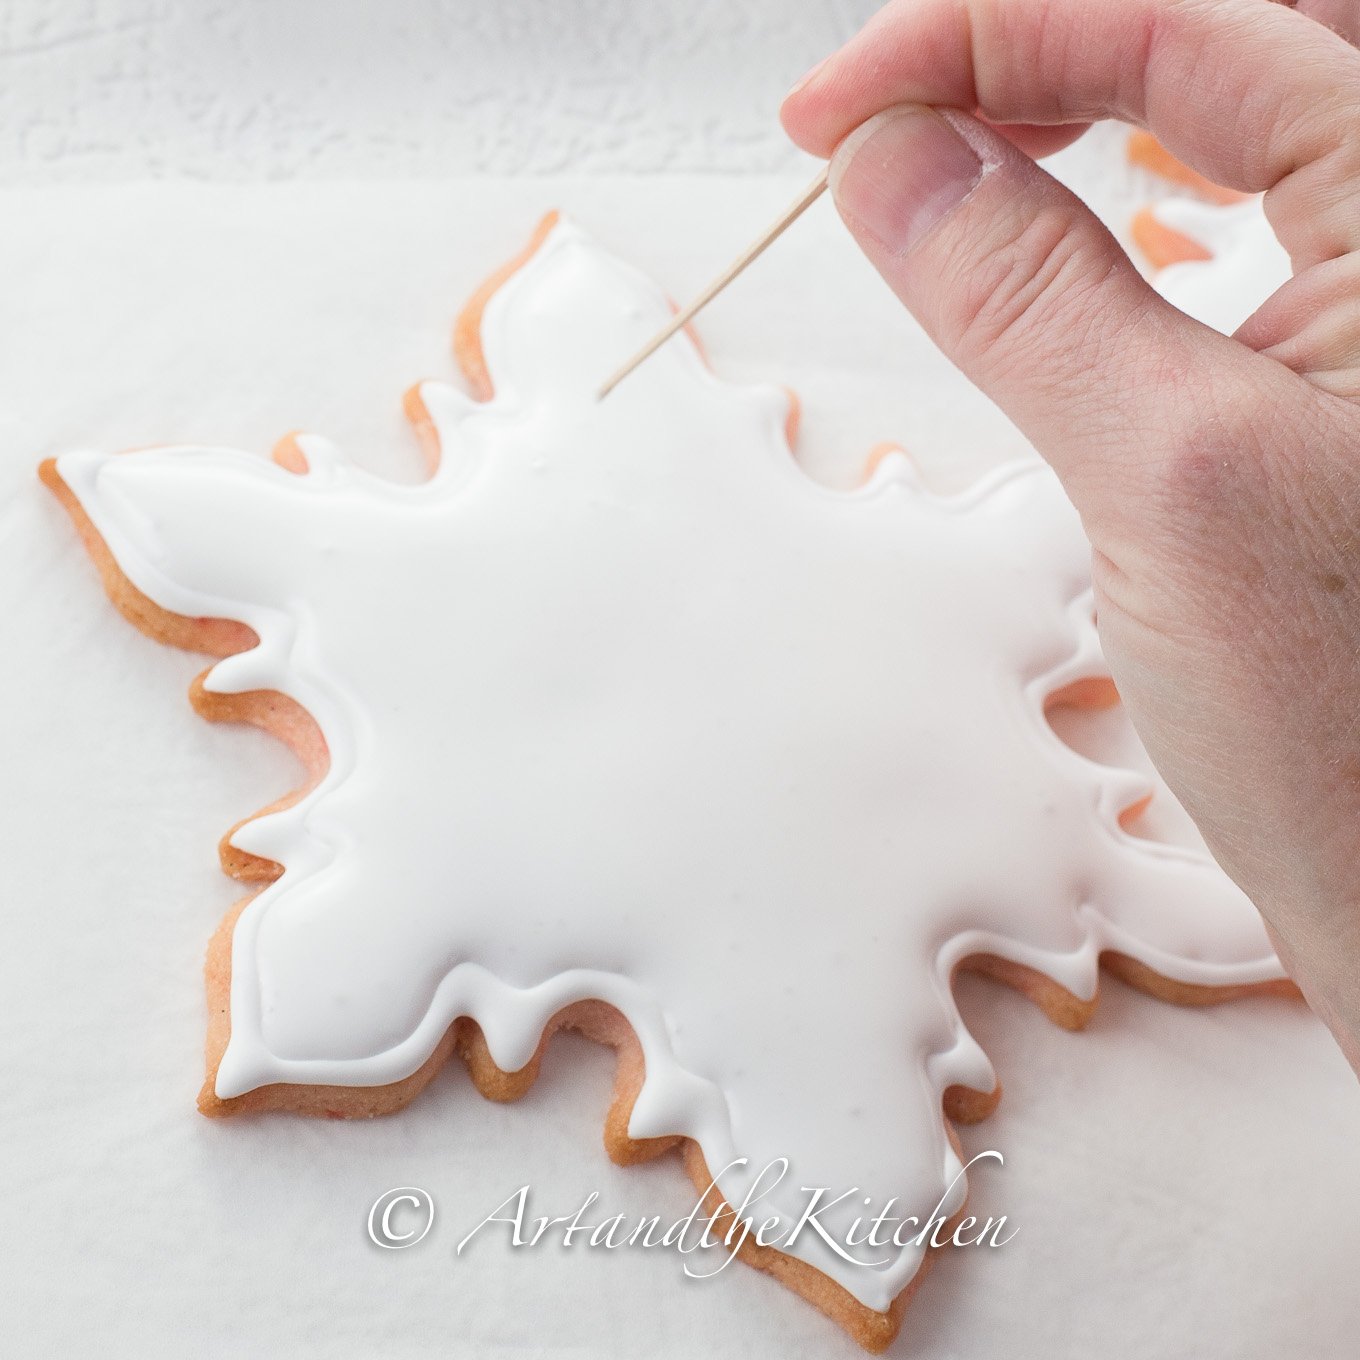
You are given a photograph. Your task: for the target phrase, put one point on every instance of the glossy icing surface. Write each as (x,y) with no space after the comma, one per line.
(621,705)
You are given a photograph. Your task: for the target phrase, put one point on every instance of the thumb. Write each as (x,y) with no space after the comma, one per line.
(1023,288)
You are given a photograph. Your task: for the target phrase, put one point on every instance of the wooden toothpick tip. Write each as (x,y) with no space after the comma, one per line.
(683,317)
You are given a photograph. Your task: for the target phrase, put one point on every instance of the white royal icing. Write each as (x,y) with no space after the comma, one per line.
(621,704)
(1247,262)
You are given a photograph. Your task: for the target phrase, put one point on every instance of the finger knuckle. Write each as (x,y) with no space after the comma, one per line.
(1021,287)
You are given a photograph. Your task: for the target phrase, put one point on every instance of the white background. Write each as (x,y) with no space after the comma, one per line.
(1184,1182)
(264,89)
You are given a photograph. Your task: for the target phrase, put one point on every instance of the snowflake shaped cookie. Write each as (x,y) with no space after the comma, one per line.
(620,721)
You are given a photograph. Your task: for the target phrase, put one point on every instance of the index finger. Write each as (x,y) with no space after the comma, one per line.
(1249,93)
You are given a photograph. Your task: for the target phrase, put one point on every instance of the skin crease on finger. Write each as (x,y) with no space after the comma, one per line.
(1225,508)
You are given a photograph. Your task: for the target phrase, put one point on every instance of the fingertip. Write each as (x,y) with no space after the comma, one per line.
(804,115)
(807,79)
(788,119)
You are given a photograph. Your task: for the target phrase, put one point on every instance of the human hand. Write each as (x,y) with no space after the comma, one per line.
(1218,479)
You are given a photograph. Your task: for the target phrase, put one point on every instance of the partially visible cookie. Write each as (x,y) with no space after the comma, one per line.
(1214,253)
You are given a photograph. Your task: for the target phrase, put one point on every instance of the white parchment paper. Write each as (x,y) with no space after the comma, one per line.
(1185,1183)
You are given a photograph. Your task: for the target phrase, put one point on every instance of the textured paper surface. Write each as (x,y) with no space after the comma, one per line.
(1184,1183)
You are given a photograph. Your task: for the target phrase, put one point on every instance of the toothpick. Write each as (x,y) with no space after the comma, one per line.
(682,318)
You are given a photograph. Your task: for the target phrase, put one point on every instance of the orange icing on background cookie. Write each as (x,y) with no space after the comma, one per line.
(1145,150)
